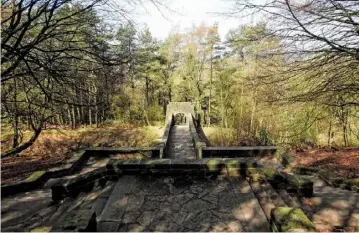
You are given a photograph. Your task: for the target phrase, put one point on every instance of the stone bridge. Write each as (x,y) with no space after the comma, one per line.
(183,184)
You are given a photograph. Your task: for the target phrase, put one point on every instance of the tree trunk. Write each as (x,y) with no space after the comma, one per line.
(89,109)
(210,90)
(25,145)
(69,115)
(251,130)
(330,133)
(15,142)
(73,118)
(96,107)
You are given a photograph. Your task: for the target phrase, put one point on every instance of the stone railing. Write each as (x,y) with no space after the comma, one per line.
(243,151)
(198,144)
(39,178)
(163,145)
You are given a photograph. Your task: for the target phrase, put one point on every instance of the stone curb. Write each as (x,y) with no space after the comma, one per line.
(198,144)
(164,144)
(71,186)
(38,178)
(169,166)
(290,182)
(153,152)
(235,152)
(330,179)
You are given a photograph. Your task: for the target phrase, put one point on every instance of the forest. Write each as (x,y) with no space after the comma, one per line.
(290,78)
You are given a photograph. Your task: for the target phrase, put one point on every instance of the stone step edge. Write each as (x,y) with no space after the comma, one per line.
(330,179)
(270,209)
(207,164)
(38,178)
(72,186)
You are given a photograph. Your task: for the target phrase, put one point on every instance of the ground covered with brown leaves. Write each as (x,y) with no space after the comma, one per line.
(55,146)
(344,162)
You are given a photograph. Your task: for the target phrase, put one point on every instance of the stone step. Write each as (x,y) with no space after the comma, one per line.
(291,202)
(110,218)
(81,211)
(181,138)
(117,166)
(263,198)
(74,184)
(180,146)
(253,217)
(275,197)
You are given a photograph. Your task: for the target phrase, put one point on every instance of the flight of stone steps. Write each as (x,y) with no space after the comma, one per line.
(181,143)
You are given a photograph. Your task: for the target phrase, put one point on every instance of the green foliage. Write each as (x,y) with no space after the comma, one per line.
(82,72)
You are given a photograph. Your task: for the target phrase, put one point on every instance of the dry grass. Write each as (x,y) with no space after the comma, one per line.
(54,146)
(54,142)
(221,136)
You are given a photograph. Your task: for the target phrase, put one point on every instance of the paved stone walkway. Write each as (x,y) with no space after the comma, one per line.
(180,144)
(23,211)
(35,210)
(182,204)
(332,208)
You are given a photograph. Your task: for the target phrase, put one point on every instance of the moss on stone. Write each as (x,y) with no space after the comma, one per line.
(298,181)
(41,229)
(213,164)
(278,154)
(291,219)
(233,163)
(233,172)
(250,171)
(34,176)
(269,173)
(158,161)
(352,182)
(256,177)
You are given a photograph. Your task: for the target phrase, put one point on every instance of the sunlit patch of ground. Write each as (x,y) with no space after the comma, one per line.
(54,146)
(221,136)
(344,162)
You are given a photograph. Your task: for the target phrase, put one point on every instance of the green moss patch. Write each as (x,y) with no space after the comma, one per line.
(269,173)
(34,176)
(353,182)
(288,219)
(41,229)
(233,163)
(213,164)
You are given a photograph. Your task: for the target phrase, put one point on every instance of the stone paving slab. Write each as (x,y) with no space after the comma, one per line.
(166,203)
(332,208)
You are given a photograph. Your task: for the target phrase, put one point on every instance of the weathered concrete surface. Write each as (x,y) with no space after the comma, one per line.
(182,204)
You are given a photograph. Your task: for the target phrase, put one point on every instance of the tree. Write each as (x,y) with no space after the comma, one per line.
(49,48)
(318,40)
